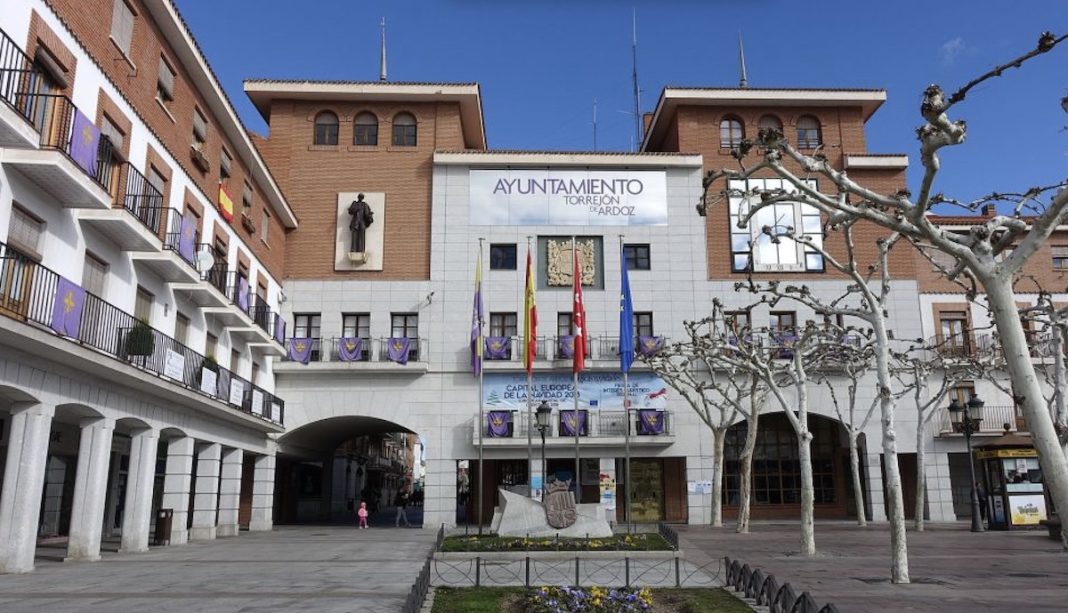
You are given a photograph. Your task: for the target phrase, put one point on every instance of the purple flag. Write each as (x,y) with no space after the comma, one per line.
(498,348)
(279,329)
(398,348)
(650,421)
(350,349)
(785,342)
(497,423)
(187,239)
(477,319)
(67,308)
(300,350)
(84,143)
(567,423)
(649,345)
(242,294)
(566,347)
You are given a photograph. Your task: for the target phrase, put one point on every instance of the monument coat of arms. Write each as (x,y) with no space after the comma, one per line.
(560,505)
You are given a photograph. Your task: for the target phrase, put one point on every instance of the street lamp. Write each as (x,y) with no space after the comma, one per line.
(966,419)
(543,417)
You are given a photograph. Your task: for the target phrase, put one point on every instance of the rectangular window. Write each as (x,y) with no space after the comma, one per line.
(265,225)
(502,256)
(563,324)
(963,392)
(956,338)
(643,324)
(211,345)
(783,322)
(636,256)
(94,275)
(181,329)
(255,373)
(753,248)
(246,200)
(1060,258)
(25,232)
(309,325)
(738,321)
(356,325)
(200,131)
(165,82)
(225,164)
(143,305)
(235,361)
(156,180)
(122,21)
(406,325)
(504,324)
(113,134)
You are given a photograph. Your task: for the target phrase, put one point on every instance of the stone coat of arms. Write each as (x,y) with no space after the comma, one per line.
(560,266)
(560,505)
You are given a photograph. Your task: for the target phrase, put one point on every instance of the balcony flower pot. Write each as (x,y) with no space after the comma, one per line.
(247,224)
(140,340)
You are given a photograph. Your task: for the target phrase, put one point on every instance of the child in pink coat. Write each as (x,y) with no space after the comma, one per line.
(362,514)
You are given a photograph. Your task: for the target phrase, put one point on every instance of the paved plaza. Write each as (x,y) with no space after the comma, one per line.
(952,569)
(309,568)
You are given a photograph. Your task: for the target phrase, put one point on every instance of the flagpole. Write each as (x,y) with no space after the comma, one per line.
(582,339)
(530,390)
(481,393)
(626,421)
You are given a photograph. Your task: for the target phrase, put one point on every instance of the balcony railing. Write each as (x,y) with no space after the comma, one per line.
(995,419)
(28,294)
(17,76)
(599,424)
(217,275)
(144,201)
(54,117)
(172,240)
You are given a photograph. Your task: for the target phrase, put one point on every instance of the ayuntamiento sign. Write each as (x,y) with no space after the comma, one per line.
(544,197)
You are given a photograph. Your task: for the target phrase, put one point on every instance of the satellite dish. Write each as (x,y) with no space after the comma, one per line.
(205,260)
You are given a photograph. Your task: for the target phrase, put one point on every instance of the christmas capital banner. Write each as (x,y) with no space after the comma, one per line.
(597,390)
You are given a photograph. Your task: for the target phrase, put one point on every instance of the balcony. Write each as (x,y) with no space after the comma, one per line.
(73,162)
(176,263)
(17,76)
(995,421)
(138,224)
(605,428)
(28,293)
(373,355)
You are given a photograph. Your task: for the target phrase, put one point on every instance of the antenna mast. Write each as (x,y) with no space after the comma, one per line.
(595,124)
(637,91)
(382,59)
(743,81)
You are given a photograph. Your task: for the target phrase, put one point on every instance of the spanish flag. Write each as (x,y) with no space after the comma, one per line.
(530,320)
(226,204)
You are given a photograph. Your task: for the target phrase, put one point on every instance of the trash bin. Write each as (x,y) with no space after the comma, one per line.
(164,519)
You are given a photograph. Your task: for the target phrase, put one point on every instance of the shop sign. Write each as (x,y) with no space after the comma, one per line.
(544,197)
(1027,510)
(1007,453)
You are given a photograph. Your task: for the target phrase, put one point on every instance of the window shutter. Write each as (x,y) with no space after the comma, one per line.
(1060,252)
(25,231)
(225,163)
(110,130)
(246,196)
(200,126)
(166,79)
(122,25)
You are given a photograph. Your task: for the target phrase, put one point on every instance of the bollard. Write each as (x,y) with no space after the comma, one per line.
(626,570)
(527,580)
(478,571)
(678,583)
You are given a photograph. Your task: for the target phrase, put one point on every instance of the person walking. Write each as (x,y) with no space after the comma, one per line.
(401,502)
(362,514)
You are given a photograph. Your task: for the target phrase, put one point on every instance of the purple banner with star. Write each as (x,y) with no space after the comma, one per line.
(350,349)
(566,347)
(567,423)
(649,345)
(242,294)
(498,347)
(67,308)
(84,143)
(300,350)
(398,348)
(187,239)
(650,421)
(497,423)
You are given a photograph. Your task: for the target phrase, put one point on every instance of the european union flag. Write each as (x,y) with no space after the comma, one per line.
(626,319)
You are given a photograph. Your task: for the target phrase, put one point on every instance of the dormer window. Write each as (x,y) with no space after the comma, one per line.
(365,131)
(326,127)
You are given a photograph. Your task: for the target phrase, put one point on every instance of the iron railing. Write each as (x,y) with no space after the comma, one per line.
(173,238)
(28,294)
(326,350)
(54,117)
(417,350)
(17,76)
(767,592)
(995,418)
(144,201)
(599,424)
(218,274)
(417,595)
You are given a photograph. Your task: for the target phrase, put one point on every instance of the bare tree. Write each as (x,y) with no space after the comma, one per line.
(1051,346)
(720,392)
(989,255)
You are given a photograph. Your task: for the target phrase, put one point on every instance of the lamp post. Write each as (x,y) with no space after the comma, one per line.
(966,419)
(543,417)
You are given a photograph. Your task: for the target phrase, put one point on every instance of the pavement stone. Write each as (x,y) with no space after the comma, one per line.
(951,568)
(324,569)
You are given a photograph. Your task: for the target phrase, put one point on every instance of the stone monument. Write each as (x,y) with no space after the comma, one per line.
(362,218)
(519,515)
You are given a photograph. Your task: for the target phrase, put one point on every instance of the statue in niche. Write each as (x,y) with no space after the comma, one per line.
(362,218)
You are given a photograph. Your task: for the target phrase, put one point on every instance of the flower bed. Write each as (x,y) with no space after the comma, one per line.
(565,599)
(588,600)
(619,542)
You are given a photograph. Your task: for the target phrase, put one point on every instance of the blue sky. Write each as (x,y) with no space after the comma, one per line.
(542,63)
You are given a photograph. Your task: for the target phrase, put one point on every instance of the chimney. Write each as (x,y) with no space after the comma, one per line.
(988,210)
(647,119)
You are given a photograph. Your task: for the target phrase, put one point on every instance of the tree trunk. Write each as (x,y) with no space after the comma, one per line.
(895,504)
(1028,392)
(854,468)
(808,528)
(1059,383)
(719,437)
(745,472)
(921,483)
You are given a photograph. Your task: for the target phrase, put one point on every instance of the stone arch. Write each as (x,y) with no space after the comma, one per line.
(11,396)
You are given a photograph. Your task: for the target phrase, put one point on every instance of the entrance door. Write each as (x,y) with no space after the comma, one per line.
(647,489)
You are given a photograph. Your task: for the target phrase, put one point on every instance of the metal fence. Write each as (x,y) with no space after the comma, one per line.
(144,201)
(766,590)
(417,595)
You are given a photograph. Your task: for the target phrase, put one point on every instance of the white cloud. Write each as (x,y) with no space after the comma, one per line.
(951,49)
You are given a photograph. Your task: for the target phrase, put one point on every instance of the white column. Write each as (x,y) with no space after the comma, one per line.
(176,486)
(229,492)
(56,468)
(90,489)
(206,493)
(140,480)
(439,493)
(262,494)
(20,501)
(939,487)
(874,482)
